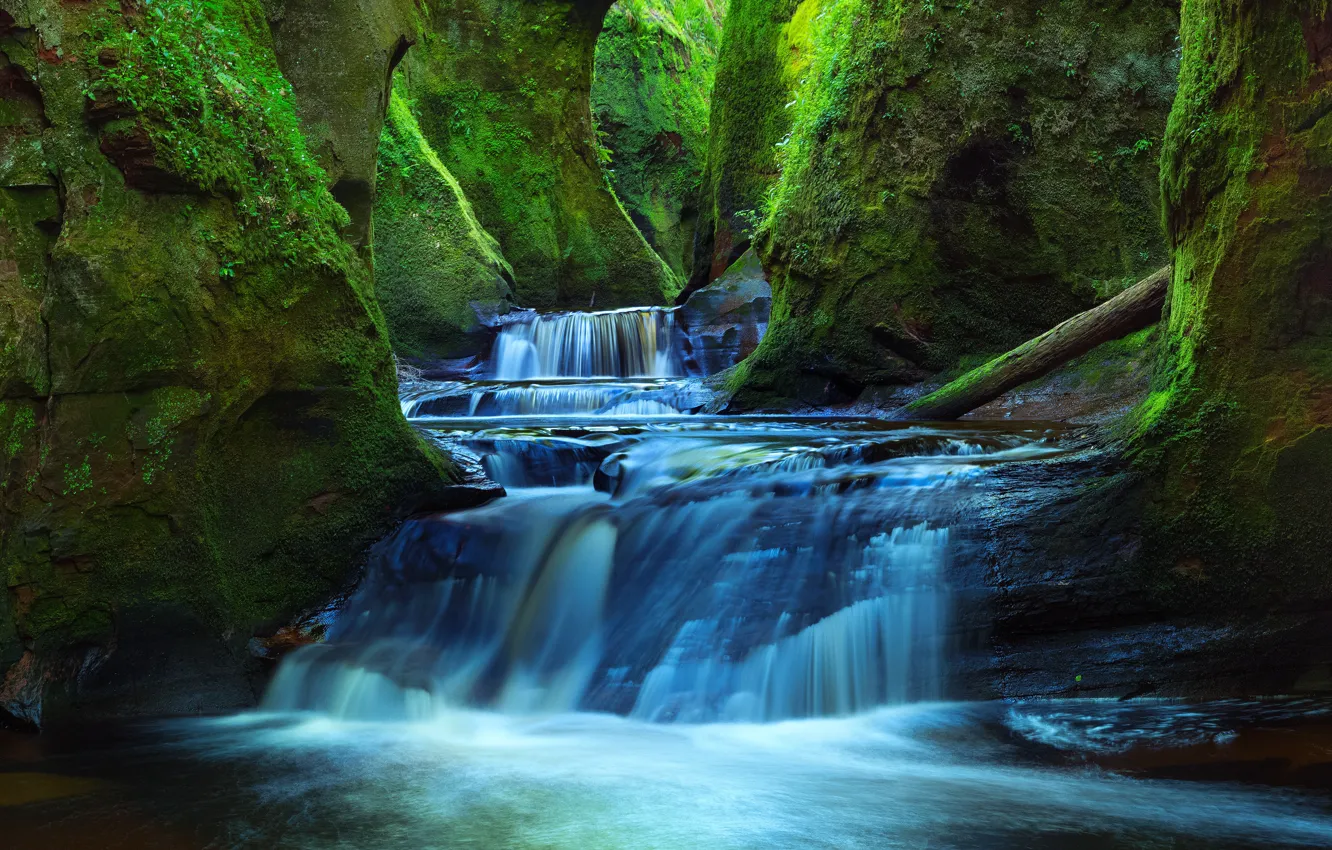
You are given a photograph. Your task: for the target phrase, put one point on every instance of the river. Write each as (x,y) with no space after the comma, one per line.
(676,630)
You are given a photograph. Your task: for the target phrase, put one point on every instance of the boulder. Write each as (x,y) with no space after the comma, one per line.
(724,322)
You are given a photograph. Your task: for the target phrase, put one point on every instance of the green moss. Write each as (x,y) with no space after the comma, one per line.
(501,93)
(203,79)
(650,95)
(762,59)
(1234,437)
(211,432)
(437,270)
(950,183)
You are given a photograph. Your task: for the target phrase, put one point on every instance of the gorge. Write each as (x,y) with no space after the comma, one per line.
(489,423)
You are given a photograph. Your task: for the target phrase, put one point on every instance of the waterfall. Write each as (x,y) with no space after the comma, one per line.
(637,343)
(874,652)
(683,572)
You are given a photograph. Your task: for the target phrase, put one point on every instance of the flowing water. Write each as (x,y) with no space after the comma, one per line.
(676,630)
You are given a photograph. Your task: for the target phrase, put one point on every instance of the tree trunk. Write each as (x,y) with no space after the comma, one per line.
(1132,310)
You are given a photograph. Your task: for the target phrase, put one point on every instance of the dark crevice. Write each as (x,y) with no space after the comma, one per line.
(357,197)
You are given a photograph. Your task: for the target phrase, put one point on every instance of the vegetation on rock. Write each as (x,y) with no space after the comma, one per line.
(650,95)
(1237,434)
(197,399)
(438,274)
(957,178)
(763,57)
(501,93)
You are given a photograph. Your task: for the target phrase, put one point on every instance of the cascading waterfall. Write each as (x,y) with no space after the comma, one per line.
(701,571)
(623,363)
(638,343)
(878,651)
(678,569)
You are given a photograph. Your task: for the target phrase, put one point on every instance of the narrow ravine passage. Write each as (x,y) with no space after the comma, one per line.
(681,630)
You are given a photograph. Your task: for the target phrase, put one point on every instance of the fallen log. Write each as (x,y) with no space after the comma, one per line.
(1135,308)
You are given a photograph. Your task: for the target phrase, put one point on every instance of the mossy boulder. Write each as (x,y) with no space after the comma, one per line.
(958,177)
(339,55)
(197,400)
(439,275)
(501,92)
(1236,437)
(763,57)
(650,95)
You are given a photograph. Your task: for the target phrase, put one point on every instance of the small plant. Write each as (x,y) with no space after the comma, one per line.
(750,220)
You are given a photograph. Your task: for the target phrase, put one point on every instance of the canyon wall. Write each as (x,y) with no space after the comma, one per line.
(956,178)
(199,428)
(651,96)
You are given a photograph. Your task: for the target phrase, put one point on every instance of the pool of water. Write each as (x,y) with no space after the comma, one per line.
(675,631)
(1097,775)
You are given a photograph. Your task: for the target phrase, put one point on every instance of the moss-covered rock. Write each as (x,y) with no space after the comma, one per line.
(339,55)
(764,55)
(501,92)
(197,401)
(959,177)
(439,275)
(1237,434)
(650,95)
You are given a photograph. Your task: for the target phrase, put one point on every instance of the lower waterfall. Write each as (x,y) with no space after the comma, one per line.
(694,570)
(688,632)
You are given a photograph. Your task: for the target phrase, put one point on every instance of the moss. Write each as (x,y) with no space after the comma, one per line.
(438,272)
(334,52)
(501,92)
(215,433)
(219,112)
(960,177)
(763,57)
(1234,437)
(650,94)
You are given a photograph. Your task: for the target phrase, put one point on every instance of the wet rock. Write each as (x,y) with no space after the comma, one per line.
(725,321)
(1056,601)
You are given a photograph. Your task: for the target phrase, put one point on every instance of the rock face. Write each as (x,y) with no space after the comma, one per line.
(1044,614)
(438,274)
(650,96)
(1236,437)
(957,180)
(339,56)
(764,54)
(724,321)
(197,401)
(501,91)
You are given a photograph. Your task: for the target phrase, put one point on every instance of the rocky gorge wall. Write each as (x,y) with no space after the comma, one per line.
(439,274)
(500,90)
(650,96)
(199,428)
(957,177)
(1235,440)
(763,58)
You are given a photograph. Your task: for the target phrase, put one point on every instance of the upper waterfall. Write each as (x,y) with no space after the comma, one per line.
(634,343)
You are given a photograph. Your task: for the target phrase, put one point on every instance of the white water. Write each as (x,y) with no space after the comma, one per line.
(638,343)
(761,601)
(925,777)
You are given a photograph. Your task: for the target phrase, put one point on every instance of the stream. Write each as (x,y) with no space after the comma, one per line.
(676,630)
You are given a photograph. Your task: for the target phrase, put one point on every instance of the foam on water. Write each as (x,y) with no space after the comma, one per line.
(916,777)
